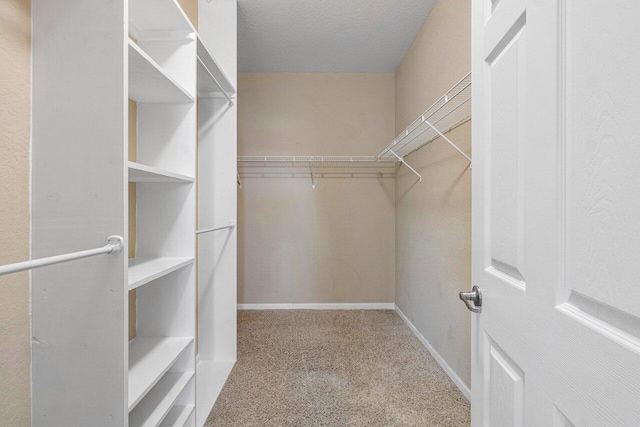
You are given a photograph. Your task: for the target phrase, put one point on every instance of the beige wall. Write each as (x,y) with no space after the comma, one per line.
(334,244)
(15,112)
(190,8)
(433,219)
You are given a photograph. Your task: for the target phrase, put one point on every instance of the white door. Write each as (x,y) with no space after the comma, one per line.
(556,212)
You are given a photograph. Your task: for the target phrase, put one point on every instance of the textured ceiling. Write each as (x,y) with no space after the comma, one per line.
(327,36)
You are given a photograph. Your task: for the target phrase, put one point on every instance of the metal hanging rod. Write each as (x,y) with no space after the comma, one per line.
(115,245)
(224,92)
(232,224)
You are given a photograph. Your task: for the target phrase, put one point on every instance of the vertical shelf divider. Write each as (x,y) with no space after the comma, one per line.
(217,201)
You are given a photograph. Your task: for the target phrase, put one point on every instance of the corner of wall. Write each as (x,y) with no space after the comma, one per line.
(433,219)
(15,211)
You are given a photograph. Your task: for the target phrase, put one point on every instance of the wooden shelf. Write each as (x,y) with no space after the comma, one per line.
(210,378)
(207,87)
(158,402)
(144,173)
(149,83)
(148,17)
(178,416)
(149,360)
(143,270)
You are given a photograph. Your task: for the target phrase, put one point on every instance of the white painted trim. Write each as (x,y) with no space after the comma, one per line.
(454,377)
(313,306)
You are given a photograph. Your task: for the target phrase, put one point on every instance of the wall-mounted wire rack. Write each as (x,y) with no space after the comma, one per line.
(316,166)
(450,111)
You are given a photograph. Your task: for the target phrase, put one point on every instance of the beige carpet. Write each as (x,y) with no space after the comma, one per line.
(334,368)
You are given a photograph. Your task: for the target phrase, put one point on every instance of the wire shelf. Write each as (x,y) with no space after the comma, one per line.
(448,112)
(319,166)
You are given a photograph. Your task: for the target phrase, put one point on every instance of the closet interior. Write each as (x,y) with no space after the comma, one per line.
(280,212)
(146,149)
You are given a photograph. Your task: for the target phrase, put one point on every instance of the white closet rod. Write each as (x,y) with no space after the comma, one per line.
(224,92)
(209,230)
(115,245)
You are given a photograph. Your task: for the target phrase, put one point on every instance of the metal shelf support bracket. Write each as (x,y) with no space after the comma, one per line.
(406,164)
(447,139)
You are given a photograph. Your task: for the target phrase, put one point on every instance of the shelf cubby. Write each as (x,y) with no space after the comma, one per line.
(153,409)
(149,359)
(149,83)
(212,80)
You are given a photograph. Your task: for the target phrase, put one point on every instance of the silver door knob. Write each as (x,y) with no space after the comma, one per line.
(475,297)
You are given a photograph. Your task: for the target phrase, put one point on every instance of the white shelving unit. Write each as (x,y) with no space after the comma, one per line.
(86,371)
(149,360)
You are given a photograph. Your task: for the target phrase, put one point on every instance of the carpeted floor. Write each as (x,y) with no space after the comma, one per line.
(334,368)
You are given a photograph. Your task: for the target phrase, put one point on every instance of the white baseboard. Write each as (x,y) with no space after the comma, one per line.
(454,377)
(312,306)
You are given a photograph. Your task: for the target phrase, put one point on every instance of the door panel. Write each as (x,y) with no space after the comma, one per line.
(603,186)
(505,98)
(506,388)
(555,208)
